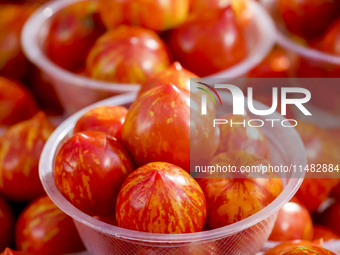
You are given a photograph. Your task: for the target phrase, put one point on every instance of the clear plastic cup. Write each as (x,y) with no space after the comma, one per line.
(287,41)
(244,237)
(76,92)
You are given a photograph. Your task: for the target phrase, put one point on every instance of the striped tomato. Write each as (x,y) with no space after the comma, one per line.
(161,198)
(161,126)
(43,228)
(127,55)
(235,197)
(90,167)
(20,148)
(107,119)
(174,74)
(308,250)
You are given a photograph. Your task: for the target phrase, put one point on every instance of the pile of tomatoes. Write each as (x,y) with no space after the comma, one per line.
(130,167)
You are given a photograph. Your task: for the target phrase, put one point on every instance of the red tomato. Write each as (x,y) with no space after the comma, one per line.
(308,18)
(174,74)
(127,55)
(157,128)
(72,32)
(107,218)
(330,217)
(308,250)
(157,15)
(20,149)
(240,138)
(9,251)
(293,222)
(107,119)
(42,228)
(161,198)
(243,13)
(209,43)
(282,247)
(233,199)
(320,148)
(276,65)
(331,39)
(16,103)
(6,224)
(324,233)
(12,61)
(90,168)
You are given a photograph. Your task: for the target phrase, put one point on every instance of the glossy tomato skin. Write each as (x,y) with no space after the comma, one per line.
(127,55)
(20,149)
(308,250)
(16,102)
(320,148)
(240,138)
(107,119)
(233,199)
(293,222)
(174,74)
(161,198)
(330,217)
(9,251)
(191,47)
(157,128)
(324,233)
(42,228)
(90,168)
(240,7)
(13,17)
(72,32)
(277,64)
(156,15)
(308,18)
(285,246)
(6,224)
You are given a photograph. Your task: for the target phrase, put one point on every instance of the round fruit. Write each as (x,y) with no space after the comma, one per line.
(90,168)
(209,43)
(157,128)
(324,233)
(308,250)
(157,15)
(127,55)
(42,228)
(240,7)
(20,149)
(6,224)
(236,137)
(308,18)
(285,246)
(321,148)
(235,197)
(72,32)
(106,119)
(161,198)
(16,103)
(174,74)
(293,222)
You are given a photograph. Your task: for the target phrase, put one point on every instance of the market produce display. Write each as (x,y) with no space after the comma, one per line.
(127,168)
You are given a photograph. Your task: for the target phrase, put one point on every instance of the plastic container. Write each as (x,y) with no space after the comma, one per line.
(287,41)
(244,237)
(76,92)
